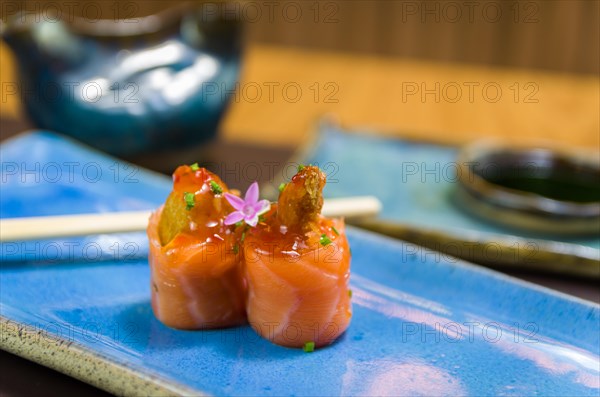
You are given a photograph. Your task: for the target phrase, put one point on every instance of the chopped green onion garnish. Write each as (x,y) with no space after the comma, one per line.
(216,189)
(236,249)
(189,200)
(238,224)
(300,167)
(282,186)
(335,230)
(350,293)
(325,240)
(243,237)
(309,347)
(261,218)
(195,167)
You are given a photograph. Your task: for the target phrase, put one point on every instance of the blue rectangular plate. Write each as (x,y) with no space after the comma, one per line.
(423,324)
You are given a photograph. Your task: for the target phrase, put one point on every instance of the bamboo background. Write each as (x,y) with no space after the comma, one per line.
(556,34)
(560,35)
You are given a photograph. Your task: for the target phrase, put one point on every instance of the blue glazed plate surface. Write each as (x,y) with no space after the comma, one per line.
(423,324)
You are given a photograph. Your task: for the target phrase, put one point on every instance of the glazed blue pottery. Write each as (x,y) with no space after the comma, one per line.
(424,323)
(128,87)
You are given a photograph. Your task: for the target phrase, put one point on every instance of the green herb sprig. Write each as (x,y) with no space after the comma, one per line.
(324,240)
(216,189)
(309,347)
(189,200)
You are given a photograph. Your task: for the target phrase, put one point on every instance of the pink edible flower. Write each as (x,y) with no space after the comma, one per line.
(248,209)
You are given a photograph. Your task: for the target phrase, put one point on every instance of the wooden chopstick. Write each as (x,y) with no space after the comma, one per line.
(44,227)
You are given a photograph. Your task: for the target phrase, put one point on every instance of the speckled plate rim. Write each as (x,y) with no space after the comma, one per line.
(85,364)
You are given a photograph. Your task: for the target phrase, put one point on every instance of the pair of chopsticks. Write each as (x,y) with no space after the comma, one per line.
(47,227)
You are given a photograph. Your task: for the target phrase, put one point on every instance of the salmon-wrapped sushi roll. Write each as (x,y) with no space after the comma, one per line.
(297,266)
(195,269)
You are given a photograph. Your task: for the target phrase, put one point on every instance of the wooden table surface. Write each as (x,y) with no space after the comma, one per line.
(284,90)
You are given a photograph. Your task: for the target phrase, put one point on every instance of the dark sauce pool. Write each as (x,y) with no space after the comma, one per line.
(554,187)
(545,175)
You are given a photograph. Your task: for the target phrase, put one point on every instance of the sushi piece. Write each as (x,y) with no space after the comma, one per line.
(195,267)
(297,267)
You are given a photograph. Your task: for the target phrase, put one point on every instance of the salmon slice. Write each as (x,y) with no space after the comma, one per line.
(196,279)
(297,267)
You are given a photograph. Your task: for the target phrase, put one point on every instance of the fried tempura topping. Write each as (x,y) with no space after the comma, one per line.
(301,200)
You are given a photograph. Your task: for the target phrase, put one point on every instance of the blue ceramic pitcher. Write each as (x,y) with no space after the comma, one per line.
(128,87)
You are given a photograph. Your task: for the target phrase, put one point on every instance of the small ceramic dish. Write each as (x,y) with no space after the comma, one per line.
(534,188)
